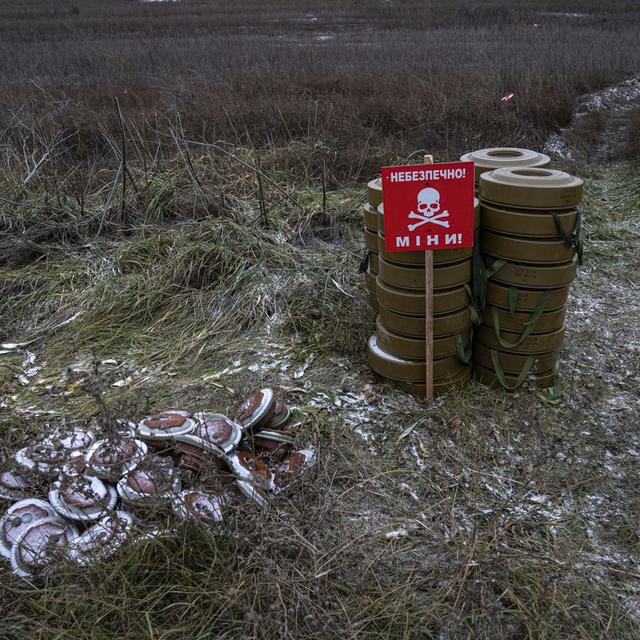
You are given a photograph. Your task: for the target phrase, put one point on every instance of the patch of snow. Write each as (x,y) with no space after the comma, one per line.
(397,533)
(409,491)
(421,464)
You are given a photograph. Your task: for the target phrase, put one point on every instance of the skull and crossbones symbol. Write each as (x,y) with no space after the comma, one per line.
(429,209)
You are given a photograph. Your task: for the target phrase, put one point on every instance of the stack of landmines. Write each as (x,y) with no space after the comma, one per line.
(396,284)
(529,240)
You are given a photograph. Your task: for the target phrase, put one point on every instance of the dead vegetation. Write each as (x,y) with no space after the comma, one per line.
(358,83)
(486,515)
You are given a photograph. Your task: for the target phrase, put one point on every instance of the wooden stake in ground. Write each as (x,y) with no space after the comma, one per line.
(428,312)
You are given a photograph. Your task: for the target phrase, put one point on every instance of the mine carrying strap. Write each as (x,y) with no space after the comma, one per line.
(529,325)
(552,395)
(574,239)
(364,263)
(464,355)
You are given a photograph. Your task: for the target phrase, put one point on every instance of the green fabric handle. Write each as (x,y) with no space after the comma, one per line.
(578,236)
(364,263)
(574,239)
(464,355)
(473,311)
(529,325)
(493,269)
(552,395)
(513,300)
(524,372)
(482,275)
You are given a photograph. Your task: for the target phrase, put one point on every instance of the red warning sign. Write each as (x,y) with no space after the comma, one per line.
(428,206)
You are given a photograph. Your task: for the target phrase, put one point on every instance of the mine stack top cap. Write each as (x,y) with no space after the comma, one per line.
(531,188)
(497,157)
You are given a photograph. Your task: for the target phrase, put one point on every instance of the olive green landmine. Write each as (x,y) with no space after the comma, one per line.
(412,301)
(548,320)
(499,295)
(534,343)
(415,348)
(542,380)
(525,250)
(374,192)
(373,303)
(513,363)
(523,222)
(551,276)
(408,370)
(440,387)
(414,325)
(370,218)
(497,157)
(410,277)
(531,188)
(371,240)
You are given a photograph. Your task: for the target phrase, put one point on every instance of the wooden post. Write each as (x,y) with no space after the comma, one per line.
(428,312)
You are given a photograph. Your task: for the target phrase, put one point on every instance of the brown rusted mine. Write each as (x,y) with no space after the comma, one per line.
(76,491)
(267,418)
(191,457)
(414,325)
(215,430)
(271,446)
(164,421)
(115,451)
(252,463)
(249,406)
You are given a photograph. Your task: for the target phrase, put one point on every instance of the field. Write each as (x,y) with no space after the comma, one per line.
(180,194)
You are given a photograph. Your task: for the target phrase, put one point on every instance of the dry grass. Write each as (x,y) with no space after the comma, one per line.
(516,518)
(363,82)
(512,518)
